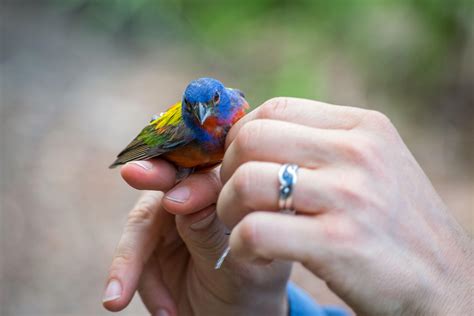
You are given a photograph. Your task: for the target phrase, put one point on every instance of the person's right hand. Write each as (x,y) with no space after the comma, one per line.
(368,220)
(169,248)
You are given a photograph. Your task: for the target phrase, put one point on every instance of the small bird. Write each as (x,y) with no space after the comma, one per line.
(190,134)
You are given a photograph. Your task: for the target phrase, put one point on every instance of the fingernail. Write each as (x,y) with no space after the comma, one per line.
(161,312)
(203,223)
(113,291)
(179,195)
(144,164)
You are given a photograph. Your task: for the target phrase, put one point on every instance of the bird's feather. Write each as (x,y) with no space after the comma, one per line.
(161,135)
(238,92)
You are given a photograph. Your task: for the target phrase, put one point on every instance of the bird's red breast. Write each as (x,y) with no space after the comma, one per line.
(195,156)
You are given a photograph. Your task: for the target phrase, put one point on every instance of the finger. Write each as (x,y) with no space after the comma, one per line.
(302,111)
(194,193)
(153,174)
(269,236)
(282,142)
(153,292)
(204,235)
(146,222)
(255,186)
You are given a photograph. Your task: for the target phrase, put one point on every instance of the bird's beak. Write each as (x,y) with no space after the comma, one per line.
(203,112)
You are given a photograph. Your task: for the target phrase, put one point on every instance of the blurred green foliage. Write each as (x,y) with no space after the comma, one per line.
(410,50)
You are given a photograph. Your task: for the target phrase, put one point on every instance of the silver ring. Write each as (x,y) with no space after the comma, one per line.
(287,177)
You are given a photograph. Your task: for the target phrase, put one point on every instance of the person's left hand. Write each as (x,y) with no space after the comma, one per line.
(169,248)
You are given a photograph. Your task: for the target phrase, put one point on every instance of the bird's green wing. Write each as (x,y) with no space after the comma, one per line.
(165,133)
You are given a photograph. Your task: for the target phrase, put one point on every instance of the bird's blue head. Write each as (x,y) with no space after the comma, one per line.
(203,99)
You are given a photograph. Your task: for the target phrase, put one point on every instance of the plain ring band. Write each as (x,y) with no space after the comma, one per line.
(287,177)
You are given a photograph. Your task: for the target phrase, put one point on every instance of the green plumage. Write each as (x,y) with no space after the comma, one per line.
(160,136)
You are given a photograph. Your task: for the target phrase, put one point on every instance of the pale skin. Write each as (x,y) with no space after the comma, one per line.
(168,250)
(368,220)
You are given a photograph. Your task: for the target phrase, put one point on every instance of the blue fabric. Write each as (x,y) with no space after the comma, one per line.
(301,304)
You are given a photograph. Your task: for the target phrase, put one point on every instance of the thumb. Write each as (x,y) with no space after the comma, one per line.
(204,235)
(194,203)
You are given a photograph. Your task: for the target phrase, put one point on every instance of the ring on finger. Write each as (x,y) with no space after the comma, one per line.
(288,175)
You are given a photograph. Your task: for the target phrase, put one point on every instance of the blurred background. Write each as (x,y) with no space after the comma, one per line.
(79,79)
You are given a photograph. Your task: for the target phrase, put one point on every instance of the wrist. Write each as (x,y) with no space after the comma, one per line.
(455,293)
(239,295)
(269,303)
(450,293)
(243,303)
(451,298)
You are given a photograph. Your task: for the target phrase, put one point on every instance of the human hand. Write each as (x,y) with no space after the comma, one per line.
(368,220)
(170,245)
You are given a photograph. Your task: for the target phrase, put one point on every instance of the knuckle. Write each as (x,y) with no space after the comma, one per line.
(361,150)
(349,195)
(248,231)
(214,180)
(273,108)
(340,229)
(247,138)
(378,120)
(366,153)
(352,150)
(142,213)
(122,258)
(378,117)
(354,193)
(244,137)
(242,180)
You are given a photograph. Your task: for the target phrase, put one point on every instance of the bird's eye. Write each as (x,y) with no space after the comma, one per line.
(188,105)
(216,98)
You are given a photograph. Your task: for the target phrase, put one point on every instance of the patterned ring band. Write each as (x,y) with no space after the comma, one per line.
(287,177)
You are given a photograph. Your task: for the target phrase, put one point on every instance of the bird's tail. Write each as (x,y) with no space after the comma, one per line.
(115,164)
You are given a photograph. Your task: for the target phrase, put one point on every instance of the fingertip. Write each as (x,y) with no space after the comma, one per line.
(182,200)
(115,305)
(121,286)
(175,205)
(115,298)
(192,194)
(131,173)
(155,174)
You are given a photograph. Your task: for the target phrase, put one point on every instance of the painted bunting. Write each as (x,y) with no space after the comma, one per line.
(190,134)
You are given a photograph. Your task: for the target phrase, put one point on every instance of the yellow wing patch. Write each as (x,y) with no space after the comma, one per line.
(171,117)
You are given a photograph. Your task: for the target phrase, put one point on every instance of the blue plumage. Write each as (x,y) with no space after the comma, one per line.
(218,106)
